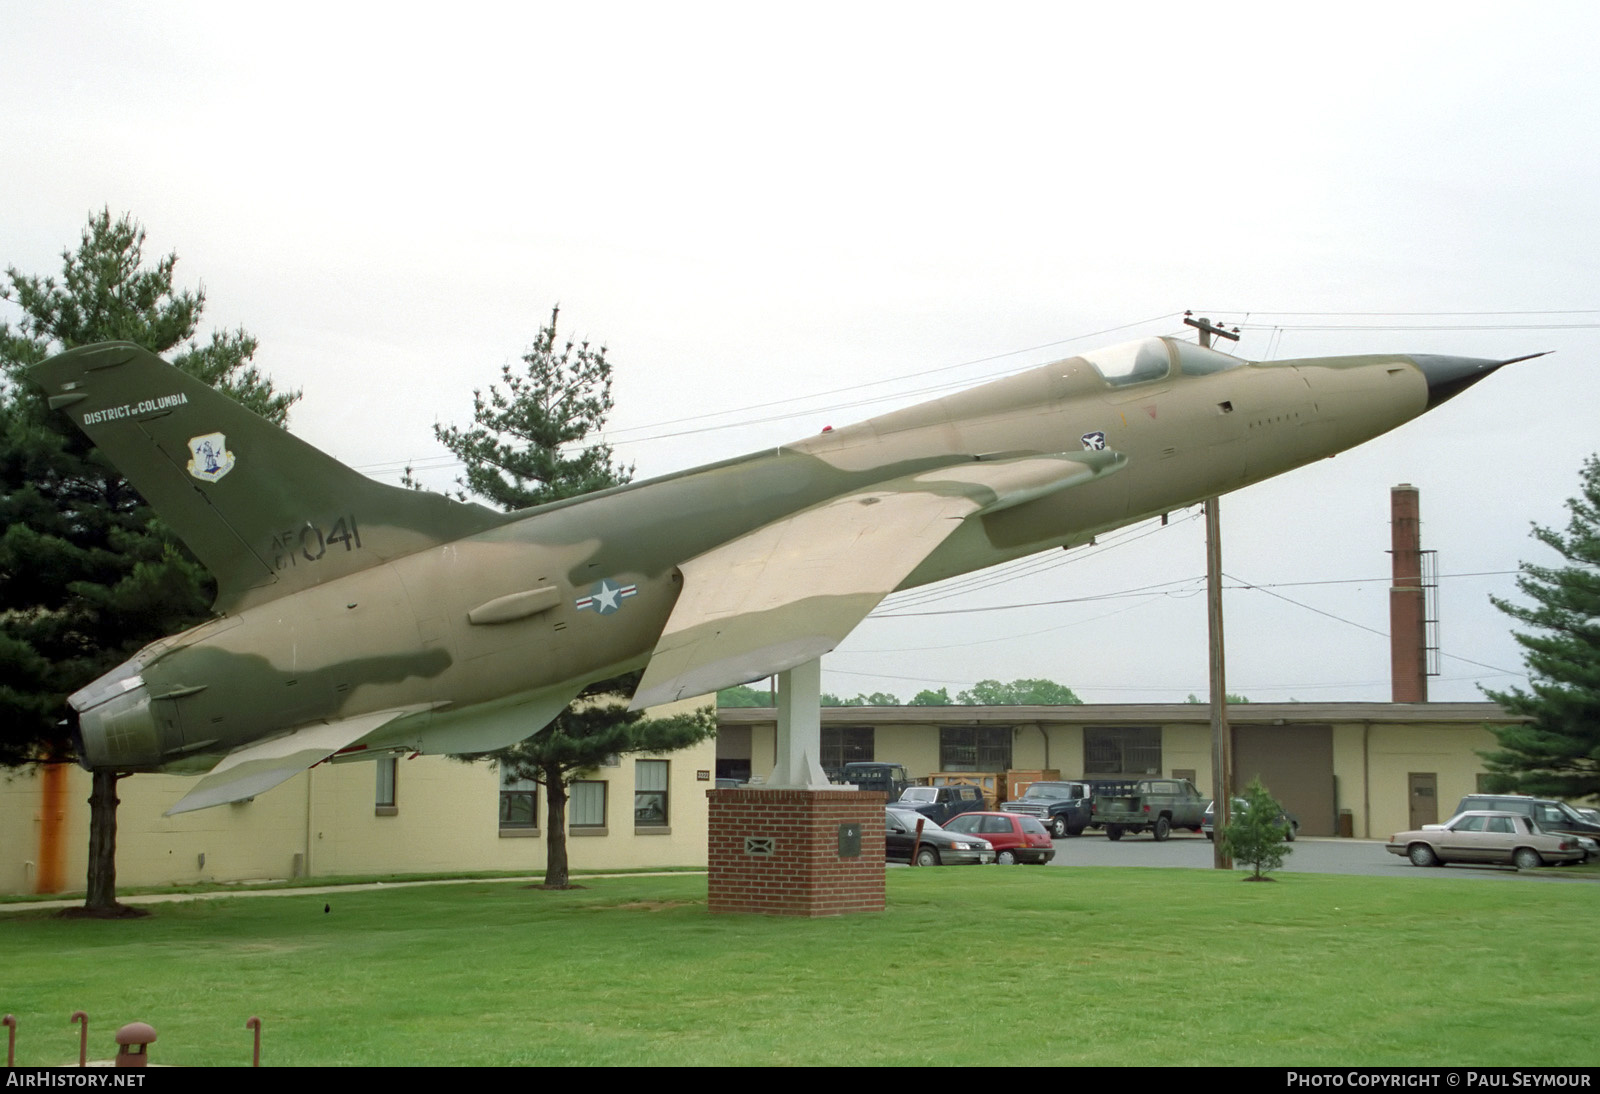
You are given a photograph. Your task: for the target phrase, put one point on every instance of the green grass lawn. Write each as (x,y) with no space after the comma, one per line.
(968,966)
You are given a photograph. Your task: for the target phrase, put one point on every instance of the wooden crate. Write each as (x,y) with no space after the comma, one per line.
(991,783)
(1017,782)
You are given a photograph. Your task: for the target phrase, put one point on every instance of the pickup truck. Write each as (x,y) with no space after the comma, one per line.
(940,803)
(885,778)
(1153,805)
(1062,807)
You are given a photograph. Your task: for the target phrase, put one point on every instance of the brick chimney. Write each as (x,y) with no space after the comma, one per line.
(1408,663)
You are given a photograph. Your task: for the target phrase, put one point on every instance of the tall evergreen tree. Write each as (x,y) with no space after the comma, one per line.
(88,574)
(531,443)
(1557,754)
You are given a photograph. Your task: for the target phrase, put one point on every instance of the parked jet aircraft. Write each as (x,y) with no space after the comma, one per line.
(355,618)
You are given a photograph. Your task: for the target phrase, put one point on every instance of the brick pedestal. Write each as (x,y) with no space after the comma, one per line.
(777,852)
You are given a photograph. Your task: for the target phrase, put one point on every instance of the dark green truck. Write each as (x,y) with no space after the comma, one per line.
(1156,806)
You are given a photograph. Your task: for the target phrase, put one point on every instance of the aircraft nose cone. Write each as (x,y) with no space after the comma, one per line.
(1449,376)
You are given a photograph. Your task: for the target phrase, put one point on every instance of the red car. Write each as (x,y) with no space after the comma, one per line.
(1015,838)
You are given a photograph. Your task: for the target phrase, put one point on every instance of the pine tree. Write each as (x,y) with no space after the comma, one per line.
(594,729)
(1557,753)
(88,574)
(535,442)
(1254,834)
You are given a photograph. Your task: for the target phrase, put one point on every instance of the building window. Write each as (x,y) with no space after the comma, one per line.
(586,807)
(650,793)
(519,802)
(388,776)
(844,745)
(1122,750)
(975,748)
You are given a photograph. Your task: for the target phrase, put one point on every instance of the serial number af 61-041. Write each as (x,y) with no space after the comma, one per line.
(354,617)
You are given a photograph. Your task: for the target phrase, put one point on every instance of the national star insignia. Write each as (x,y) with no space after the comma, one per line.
(606,597)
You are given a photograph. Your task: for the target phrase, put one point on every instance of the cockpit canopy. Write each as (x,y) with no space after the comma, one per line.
(1154,359)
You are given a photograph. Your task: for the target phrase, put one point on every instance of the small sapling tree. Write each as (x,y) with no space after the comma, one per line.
(1254,835)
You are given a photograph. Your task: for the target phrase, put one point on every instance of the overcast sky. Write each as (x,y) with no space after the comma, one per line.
(780,218)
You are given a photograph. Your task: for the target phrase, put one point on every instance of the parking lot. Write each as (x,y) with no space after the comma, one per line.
(1310,855)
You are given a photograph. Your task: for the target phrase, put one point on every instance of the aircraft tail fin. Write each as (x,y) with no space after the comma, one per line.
(264,511)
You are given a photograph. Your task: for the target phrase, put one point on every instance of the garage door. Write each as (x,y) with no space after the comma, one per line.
(1295,762)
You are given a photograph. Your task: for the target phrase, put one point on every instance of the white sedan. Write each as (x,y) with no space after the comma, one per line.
(1507,839)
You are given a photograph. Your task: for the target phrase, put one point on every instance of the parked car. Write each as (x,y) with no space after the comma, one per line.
(1509,839)
(1062,807)
(1015,838)
(935,846)
(1288,821)
(940,803)
(1552,816)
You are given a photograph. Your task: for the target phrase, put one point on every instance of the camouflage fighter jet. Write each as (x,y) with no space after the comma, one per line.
(355,618)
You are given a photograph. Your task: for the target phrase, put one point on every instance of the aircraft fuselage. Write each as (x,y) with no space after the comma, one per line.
(462,636)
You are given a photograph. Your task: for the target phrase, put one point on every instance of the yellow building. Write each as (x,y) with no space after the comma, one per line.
(1361,769)
(424,814)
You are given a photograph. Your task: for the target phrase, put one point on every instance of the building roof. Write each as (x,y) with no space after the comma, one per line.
(1147,713)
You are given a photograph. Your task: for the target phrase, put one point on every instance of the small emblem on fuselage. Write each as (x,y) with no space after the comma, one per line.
(606,597)
(210,457)
(1094,442)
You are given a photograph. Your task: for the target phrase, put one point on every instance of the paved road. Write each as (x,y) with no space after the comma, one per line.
(1313,856)
(1316,856)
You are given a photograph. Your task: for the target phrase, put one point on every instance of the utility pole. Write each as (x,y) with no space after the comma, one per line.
(1221,737)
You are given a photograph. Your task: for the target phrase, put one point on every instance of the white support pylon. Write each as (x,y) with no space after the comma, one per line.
(800,731)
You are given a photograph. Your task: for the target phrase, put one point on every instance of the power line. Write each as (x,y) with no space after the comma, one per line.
(1419,326)
(1031,566)
(616,438)
(1382,634)
(905,376)
(1240,584)
(1159,589)
(1330,314)
(1000,638)
(622,437)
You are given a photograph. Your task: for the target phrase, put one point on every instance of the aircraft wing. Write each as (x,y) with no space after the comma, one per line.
(262,765)
(791,591)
